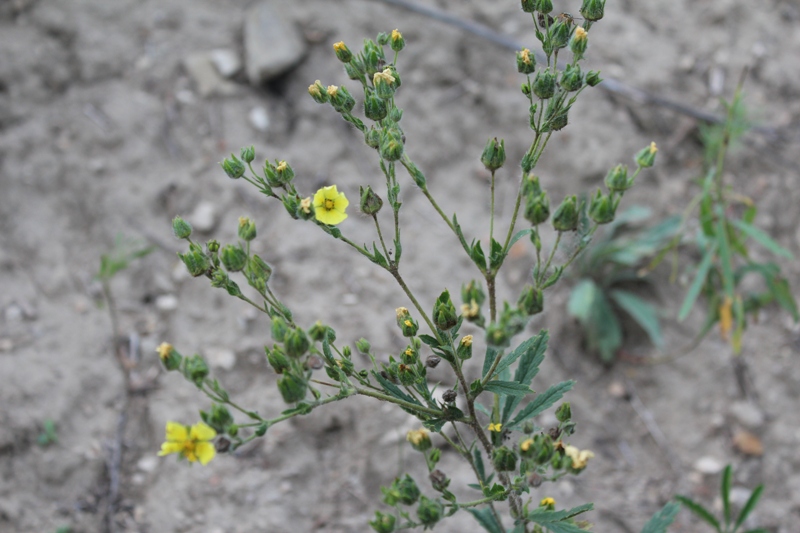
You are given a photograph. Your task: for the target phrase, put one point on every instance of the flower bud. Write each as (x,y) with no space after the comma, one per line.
(375,108)
(409,327)
(258,273)
(247,229)
(560,33)
(234,258)
(355,70)
(419,439)
(196,262)
(439,480)
(429,511)
(396,41)
(318,92)
(248,153)
(195,369)
(180,228)
(494,154)
(363,346)
(343,53)
(383,523)
(292,387)
(371,203)
(340,99)
(391,145)
(449,395)
(403,490)
(579,42)
(279,328)
(416,175)
(504,459)
(529,6)
(233,167)
(373,138)
(384,84)
(564,412)
(593,78)
(566,216)
(444,312)
(293,205)
(219,419)
(383,38)
(544,6)
(572,78)
(318,331)
(170,358)
(297,343)
(592,10)
(531,301)
(277,359)
(602,208)
(497,336)
(647,156)
(617,179)
(464,350)
(537,208)
(526,62)
(548,503)
(544,84)
(406,374)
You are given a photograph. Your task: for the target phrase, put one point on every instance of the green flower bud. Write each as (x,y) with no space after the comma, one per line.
(343,53)
(537,208)
(646,158)
(292,205)
(395,114)
(529,6)
(544,84)
(363,346)
(373,138)
(497,336)
(248,153)
(297,343)
(292,387)
(444,312)
(544,6)
(258,272)
(375,108)
(195,369)
(391,146)
(397,42)
(416,175)
(340,99)
(526,89)
(494,154)
(371,203)
(439,480)
(234,258)
(617,179)
(593,78)
(592,10)
(579,42)
(556,117)
(277,359)
(318,92)
(355,70)
(247,229)
(429,511)
(220,419)
(169,356)
(409,327)
(383,523)
(572,78)
(407,375)
(233,167)
(566,216)
(602,208)
(564,412)
(526,62)
(279,328)
(504,459)
(373,57)
(180,228)
(419,439)
(383,38)
(213,246)
(346,365)
(473,291)
(464,350)
(560,33)
(531,301)
(384,84)
(318,331)
(196,262)
(409,356)
(403,490)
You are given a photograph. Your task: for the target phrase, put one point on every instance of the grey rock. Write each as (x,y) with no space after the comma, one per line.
(208,80)
(708,465)
(272,45)
(204,217)
(226,61)
(747,414)
(259,119)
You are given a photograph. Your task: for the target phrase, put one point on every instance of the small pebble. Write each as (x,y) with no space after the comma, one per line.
(747,414)
(708,465)
(148,463)
(259,119)
(167,303)
(350,299)
(204,217)
(226,61)
(221,358)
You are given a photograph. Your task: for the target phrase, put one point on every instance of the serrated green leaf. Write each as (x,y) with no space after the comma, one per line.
(642,312)
(662,519)
(486,519)
(488,361)
(752,501)
(393,390)
(699,281)
(430,341)
(545,517)
(700,511)
(762,238)
(531,348)
(518,235)
(531,356)
(434,424)
(478,459)
(542,401)
(496,255)
(508,388)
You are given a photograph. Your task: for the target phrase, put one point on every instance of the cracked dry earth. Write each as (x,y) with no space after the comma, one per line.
(105,131)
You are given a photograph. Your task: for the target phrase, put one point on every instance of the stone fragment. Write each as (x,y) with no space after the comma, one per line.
(167,303)
(272,44)
(208,81)
(226,61)
(747,414)
(221,358)
(708,465)
(259,119)
(204,217)
(748,443)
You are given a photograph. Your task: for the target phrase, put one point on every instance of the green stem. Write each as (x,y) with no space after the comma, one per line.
(479,502)
(380,236)
(403,403)
(543,271)
(491,213)
(394,272)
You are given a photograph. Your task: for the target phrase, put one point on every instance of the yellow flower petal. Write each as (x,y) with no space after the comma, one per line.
(204,451)
(330,205)
(200,431)
(176,432)
(170,447)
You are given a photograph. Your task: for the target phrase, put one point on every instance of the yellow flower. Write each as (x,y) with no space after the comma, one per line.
(579,457)
(547,502)
(164,350)
(526,445)
(330,205)
(466,341)
(339,46)
(386,76)
(396,35)
(305,205)
(497,428)
(580,33)
(192,443)
(332,90)
(653,147)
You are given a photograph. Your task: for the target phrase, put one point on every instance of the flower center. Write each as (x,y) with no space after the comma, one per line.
(329,204)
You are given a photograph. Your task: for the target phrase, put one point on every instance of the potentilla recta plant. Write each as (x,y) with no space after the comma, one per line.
(488,421)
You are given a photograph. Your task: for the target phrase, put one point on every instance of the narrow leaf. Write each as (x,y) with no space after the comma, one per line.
(530,348)
(510,388)
(390,387)
(531,356)
(486,519)
(762,238)
(662,519)
(725,259)
(488,361)
(542,401)
(517,236)
(725,490)
(700,511)
(752,501)
(545,517)
(699,281)
(642,312)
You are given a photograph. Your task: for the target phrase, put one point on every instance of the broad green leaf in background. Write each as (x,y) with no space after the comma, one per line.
(662,519)
(699,281)
(642,312)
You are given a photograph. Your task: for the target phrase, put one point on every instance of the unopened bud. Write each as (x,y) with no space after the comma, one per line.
(647,156)
(383,523)
(247,229)
(579,42)
(526,62)
(248,153)
(233,167)
(593,78)
(444,312)
(292,387)
(592,10)
(195,369)
(602,208)
(343,53)
(494,154)
(429,512)
(375,108)
(572,78)
(566,216)
(180,228)
(531,301)
(371,203)
(234,258)
(419,439)
(277,359)
(297,343)
(504,459)
(318,92)
(363,346)
(170,358)
(464,350)
(544,84)
(564,412)
(396,41)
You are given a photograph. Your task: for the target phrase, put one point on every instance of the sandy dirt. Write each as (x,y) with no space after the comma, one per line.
(102,133)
